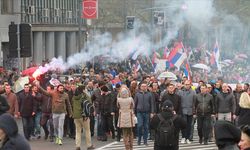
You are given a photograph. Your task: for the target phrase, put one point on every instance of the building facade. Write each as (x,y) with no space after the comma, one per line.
(57,28)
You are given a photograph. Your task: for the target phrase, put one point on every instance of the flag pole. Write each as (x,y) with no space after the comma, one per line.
(189,71)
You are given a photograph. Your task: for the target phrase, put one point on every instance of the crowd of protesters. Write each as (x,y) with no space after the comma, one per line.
(124,105)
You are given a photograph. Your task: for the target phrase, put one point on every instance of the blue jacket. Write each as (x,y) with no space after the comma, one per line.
(144,102)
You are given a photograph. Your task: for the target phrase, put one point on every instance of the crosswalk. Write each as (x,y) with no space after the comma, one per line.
(195,145)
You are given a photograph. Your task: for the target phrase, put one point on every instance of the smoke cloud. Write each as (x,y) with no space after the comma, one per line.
(197,14)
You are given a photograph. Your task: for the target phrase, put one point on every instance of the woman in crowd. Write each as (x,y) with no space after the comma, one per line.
(243,111)
(244,143)
(125,103)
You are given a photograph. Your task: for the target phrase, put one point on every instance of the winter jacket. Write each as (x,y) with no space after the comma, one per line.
(106,104)
(26,104)
(4,106)
(226,135)
(225,103)
(144,102)
(77,104)
(60,102)
(46,104)
(38,102)
(179,123)
(243,116)
(187,101)
(175,99)
(204,104)
(13,103)
(14,140)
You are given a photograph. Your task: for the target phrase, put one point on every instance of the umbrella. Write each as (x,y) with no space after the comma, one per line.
(201,66)
(19,84)
(243,56)
(169,75)
(29,71)
(228,61)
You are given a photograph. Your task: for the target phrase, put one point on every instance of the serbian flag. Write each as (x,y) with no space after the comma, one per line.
(177,56)
(187,71)
(214,59)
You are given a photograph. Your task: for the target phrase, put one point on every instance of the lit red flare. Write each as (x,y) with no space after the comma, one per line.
(37,73)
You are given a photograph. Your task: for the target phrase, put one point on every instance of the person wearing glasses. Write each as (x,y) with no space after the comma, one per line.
(244,143)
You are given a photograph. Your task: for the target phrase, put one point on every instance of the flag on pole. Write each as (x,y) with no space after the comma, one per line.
(177,56)
(215,57)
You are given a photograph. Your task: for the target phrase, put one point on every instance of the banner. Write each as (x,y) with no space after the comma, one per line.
(90,9)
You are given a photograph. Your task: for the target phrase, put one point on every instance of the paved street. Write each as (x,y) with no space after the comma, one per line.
(193,146)
(69,144)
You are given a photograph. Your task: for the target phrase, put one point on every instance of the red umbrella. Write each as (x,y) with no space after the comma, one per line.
(29,71)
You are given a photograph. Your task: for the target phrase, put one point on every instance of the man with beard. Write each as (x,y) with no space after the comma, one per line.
(60,106)
(173,97)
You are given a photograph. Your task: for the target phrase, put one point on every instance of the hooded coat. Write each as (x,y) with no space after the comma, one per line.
(13,140)
(227,136)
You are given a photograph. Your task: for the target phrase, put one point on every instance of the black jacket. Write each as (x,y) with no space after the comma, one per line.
(4,106)
(46,104)
(106,104)
(26,104)
(179,123)
(13,141)
(243,116)
(204,104)
(175,99)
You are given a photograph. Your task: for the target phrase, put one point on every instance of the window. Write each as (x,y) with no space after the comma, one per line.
(7,6)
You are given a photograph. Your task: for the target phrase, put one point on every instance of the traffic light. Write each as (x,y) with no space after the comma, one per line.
(12,40)
(130,22)
(25,40)
(159,18)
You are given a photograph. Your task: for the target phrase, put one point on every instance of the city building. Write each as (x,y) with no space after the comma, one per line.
(57,29)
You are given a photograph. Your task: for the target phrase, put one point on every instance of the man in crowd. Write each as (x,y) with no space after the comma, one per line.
(225,104)
(60,106)
(37,98)
(12,101)
(144,109)
(81,121)
(173,97)
(26,110)
(46,119)
(187,104)
(204,108)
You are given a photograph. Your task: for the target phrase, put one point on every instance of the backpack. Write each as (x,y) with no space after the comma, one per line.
(165,133)
(87,108)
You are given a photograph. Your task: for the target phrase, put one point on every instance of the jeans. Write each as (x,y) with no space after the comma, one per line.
(204,125)
(92,125)
(143,123)
(37,126)
(85,124)
(47,119)
(58,122)
(27,126)
(224,116)
(187,131)
(192,129)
